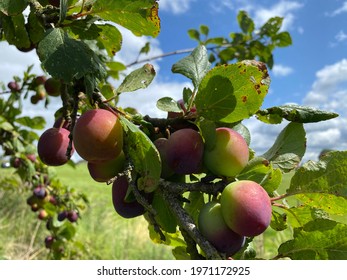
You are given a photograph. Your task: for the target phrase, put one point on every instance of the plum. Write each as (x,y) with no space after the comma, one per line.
(229,155)
(246,207)
(98,135)
(52,146)
(212,225)
(105,170)
(185,149)
(161,145)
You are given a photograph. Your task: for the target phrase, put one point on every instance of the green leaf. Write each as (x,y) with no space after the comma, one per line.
(204,29)
(63,8)
(195,66)
(114,68)
(67,59)
(34,122)
(194,34)
(289,148)
(35,29)
(164,215)
(5,125)
(196,201)
(317,240)
(260,170)
(230,93)
(139,16)
(329,176)
(144,155)
(139,78)
(302,214)
(171,239)
(245,22)
(282,39)
(294,113)
(10,7)
(271,27)
(15,31)
(168,104)
(111,38)
(278,221)
(207,130)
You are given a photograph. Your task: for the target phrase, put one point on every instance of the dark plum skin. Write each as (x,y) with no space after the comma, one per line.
(40,192)
(52,146)
(212,225)
(185,149)
(124,208)
(72,216)
(52,87)
(161,145)
(246,207)
(98,135)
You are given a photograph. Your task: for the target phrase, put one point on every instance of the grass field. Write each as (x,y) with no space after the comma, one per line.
(107,235)
(102,230)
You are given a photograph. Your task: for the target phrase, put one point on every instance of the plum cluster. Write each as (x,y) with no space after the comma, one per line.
(243,208)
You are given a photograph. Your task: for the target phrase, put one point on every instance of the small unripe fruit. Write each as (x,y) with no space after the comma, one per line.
(246,207)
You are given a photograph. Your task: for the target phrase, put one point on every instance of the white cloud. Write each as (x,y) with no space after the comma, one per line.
(339,10)
(283,9)
(329,92)
(261,13)
(175,6)
(341,36)
(281,70)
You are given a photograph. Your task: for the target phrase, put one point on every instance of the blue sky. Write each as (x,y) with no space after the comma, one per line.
(313,71)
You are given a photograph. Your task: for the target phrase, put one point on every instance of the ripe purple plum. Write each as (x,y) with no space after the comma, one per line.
(229,155)
(52,146)
(161,145)
(212,225)
(98,135)
(185,149)
(105,170)
(124,206)
(72,216)
(40,192)
(49,240)
(246,207)
(13,86)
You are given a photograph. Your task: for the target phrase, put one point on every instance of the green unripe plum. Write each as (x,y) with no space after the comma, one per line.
(161,145)
(184,152)
(246,207)
(229,155)
(98,135)
(52,146)
(105,170)
(212,225)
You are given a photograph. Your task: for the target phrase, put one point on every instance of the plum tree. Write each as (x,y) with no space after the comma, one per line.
(124,205)
(98,135)
(229,155)
(161,145)
(103,171)
(53,145)
(212,225)
(185,149)
(246,207)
